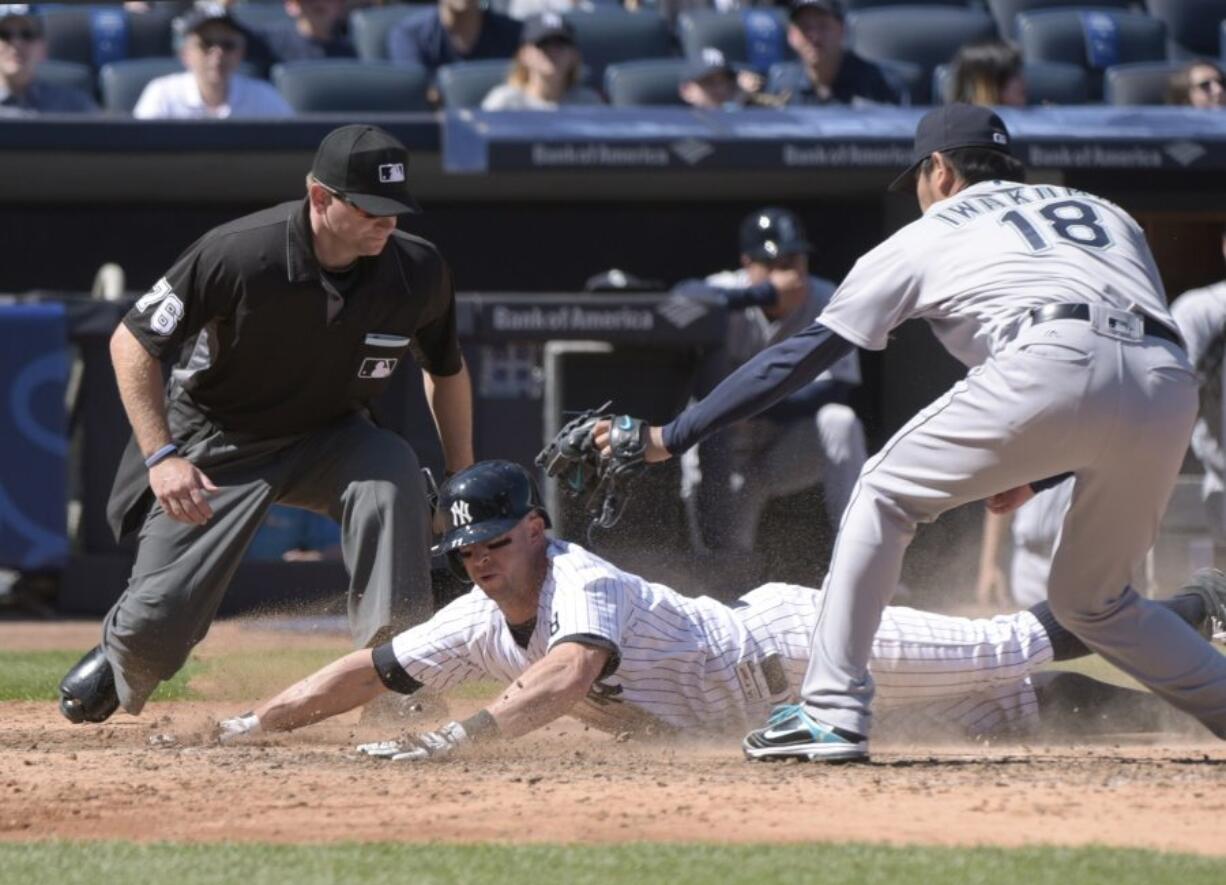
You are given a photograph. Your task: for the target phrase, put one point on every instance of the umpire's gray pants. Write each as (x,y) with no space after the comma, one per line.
(364,477)
(1062,398)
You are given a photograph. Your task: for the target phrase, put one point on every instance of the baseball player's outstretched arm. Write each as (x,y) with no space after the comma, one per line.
(770,376)
(549,688)
(340,686)
(451,403)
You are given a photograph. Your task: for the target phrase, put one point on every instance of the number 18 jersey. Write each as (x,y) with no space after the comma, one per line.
(976,263)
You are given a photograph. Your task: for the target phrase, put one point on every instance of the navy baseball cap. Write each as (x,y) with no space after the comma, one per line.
(954,126)
(547,26)
(709,61)
(367,166)
(20,10)
(834,7)
(202,14)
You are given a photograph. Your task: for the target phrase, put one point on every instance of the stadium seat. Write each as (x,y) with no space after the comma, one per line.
(853,5)
(1193,27)
(122,82)
(926,36)
(1006,11)
(1046,83)
(725,31)
(68,73)
(332,85)
(1063,36)
(368,28)
(465,84)
(96,34)
(1139,83)
(258,16)
(607,36)
(652,81)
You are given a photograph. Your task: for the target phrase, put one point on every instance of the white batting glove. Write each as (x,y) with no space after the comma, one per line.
(430,745)
(230,730)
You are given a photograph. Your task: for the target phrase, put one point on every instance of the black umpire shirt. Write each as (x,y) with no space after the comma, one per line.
(247,308)
(271,346)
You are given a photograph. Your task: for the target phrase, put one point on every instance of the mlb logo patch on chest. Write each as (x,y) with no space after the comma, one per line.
(377,367)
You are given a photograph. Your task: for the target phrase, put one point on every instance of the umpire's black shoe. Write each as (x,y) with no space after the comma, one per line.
(87,693)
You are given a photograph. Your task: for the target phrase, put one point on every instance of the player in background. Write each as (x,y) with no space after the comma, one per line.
(572,633)
(1201,316)
(812,434)
(1052,298)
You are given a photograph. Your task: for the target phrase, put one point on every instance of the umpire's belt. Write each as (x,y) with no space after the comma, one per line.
(1049,312)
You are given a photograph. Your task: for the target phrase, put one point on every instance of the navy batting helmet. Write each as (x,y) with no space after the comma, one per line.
(482,502)
(772,233)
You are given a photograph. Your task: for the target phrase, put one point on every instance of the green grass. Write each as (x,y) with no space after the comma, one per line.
(91,863)
(237,676)
(36,675)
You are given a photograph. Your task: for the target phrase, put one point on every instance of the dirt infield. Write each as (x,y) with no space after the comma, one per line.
(156,778)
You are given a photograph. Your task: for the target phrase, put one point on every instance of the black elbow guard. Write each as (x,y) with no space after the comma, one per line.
(391,674)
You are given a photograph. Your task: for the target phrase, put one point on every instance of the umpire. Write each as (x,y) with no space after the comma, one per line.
(287,322)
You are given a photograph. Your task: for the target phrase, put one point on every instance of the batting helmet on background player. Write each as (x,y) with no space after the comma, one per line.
(771,233)
(482,502)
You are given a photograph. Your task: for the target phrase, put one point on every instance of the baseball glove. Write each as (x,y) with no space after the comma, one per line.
(572,457)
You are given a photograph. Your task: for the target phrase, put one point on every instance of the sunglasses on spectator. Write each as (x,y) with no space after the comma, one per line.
(225,44)
(12,35)
(1207,85)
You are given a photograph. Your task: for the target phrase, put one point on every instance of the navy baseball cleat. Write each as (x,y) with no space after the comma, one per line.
(1210,585)
(800,736)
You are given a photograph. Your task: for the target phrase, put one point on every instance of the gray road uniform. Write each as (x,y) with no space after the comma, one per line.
(278,361)
(1201,316)
(1052,297)
(734,475)
(1106,397)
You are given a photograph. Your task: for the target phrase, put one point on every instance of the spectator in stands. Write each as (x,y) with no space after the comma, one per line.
(988,73)
(212,46)
(833,74)
(711,82)
(455,30)
(1200,84)
(545,71)
(316,29)
(526,9)
(23,48)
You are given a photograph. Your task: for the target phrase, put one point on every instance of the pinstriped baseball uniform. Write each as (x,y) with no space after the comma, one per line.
(695,663)
(1105,396)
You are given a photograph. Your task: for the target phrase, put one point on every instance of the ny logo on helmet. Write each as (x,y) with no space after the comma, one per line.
(460,514)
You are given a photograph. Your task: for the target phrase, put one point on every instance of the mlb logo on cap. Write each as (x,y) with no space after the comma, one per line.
(389,173)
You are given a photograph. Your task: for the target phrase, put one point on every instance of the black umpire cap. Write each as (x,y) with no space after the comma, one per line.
(772,233)
(954,126)
(368,167)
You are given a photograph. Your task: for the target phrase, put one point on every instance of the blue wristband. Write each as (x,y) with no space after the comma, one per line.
(161,455)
